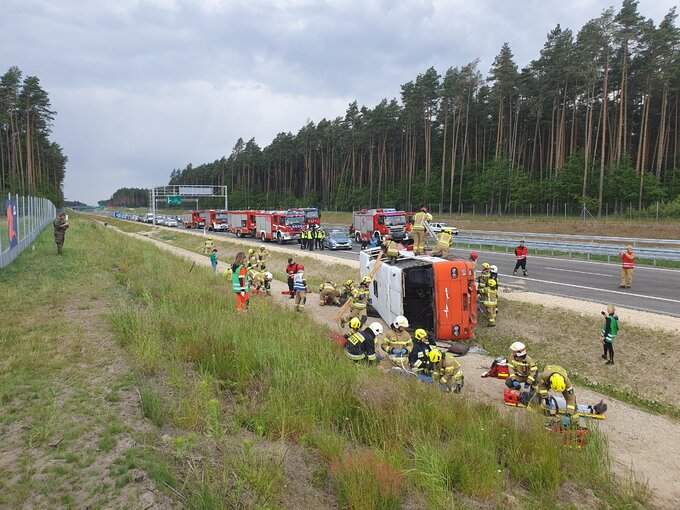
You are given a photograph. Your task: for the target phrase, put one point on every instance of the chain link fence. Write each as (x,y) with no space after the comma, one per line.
(22,218)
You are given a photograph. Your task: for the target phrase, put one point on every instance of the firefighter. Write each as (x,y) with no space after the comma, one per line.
(303,239)
(262,254)
(446,371)
(360,341)
(328,294)
(491,302)
(346,292)
(257,278)
(483,281)
(419,357)
(300,288)
(396,345)
(390,249)
(208,246)
(473,261)
(268,277)
(360,301)
(521,254)
(311,238)
(521,368)
(418,230)
(555,378)
(493,273)
(252,257)
(443,244)
(291,269)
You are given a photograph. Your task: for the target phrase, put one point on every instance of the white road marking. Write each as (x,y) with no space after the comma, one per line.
(580,272)
(529,279)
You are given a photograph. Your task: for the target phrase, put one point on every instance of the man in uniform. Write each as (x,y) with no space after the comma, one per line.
(262,254)
(60,225)
(555,377)
(443,244)
(360,341)
(390,249)
(300,288)
(491,303)
(322,235)
(291,269)
(522,368)
(347,290)
(418,230)
(521,254)
(473,261)
(446,371)
(483,281)
(419,357)
(360,299)
(208,246)
(396,345)
(328,294)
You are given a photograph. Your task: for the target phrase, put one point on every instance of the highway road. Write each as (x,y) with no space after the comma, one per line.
(654,289)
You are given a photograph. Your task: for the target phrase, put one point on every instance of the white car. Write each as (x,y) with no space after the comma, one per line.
(170,222)
(439,226)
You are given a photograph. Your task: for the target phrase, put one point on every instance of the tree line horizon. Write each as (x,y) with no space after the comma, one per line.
(591,122)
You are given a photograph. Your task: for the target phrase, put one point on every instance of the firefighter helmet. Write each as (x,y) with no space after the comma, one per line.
(557,383)
(400,322)
(355,323)
(424,209)
(435,355)
(366,280)
(420,334)
(473,255)
(376,327)
(494,269)
(349,283)
(492,283)
(448,230)
(486,265)
(518,349)
(269,276)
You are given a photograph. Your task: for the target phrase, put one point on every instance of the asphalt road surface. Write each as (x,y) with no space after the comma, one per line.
(654,289)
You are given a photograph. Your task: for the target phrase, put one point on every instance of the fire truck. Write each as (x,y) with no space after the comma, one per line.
(279,226)
(435,294)
(242,223)
(379,223)
(312,214)
(217,220)
(193,219)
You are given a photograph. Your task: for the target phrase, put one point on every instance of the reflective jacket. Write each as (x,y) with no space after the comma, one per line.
(397,340)
(628,260)
(239,279)
(299,283)
(611,328)
(419,358)
(419,219)
(445,240)
(360,345)
(448,370)
(360,297)
(523,370)
(544,386)
(391,249)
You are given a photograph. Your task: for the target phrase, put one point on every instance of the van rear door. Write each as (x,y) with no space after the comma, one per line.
(452,300)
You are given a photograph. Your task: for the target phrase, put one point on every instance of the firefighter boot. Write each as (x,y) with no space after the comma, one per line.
(526,273)
(514,273)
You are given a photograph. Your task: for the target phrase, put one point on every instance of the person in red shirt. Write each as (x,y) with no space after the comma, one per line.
(627,267)
(291,269)
(521,254)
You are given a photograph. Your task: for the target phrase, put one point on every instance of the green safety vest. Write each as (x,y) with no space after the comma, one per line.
(235,281)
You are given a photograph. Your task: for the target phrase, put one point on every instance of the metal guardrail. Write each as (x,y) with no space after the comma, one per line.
(569,248)
(32,216)
(636,241)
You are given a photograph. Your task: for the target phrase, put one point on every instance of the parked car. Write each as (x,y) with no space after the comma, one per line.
(337,239)
(170,221)
(439,226)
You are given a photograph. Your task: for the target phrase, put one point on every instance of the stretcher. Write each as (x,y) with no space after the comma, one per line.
(514,398)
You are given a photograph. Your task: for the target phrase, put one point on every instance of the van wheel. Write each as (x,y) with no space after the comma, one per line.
(357,237)
(239,233)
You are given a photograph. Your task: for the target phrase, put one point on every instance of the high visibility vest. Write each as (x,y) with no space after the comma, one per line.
(445,239)
(236,282)
(628,260)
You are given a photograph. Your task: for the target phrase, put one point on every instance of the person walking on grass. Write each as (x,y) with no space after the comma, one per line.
(213,259)
(608,333)
(60,225)
(627,267)
(239,282)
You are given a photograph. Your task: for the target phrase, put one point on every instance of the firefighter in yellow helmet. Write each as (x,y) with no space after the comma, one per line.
(208,246)
(418,230)
(396,345)
(446,371)
(262,254)
(555,378)
(252,257)
(444,243)
(360,301)
(328,294)
(346,291)
(419,357)
(491,302)
(360,341)
(483,281)
(390,249)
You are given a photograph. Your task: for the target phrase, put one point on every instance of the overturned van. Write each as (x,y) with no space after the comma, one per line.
(435,294)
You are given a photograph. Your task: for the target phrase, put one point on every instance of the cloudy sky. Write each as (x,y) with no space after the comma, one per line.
(144,86)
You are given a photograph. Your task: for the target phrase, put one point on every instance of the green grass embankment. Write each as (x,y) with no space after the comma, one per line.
(275,374)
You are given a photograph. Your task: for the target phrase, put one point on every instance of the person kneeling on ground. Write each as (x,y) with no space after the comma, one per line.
(555,378)
(446,371)
(419,357)
(521,368)
(396,345)
(360,341)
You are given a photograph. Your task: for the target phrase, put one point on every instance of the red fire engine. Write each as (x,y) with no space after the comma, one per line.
(217,220)
(279,226)
(242,223)
(379,223)
(193,219)
(312,214)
